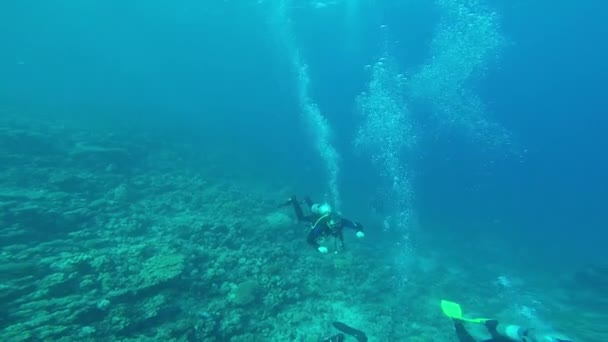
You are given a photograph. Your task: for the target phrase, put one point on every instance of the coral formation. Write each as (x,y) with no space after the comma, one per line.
(172,253)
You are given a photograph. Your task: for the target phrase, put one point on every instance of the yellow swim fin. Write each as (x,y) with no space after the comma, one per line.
(454,311)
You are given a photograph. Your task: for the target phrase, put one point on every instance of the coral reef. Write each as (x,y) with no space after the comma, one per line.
(102,241)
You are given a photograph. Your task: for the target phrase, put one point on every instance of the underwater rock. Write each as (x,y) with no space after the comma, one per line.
(12,270)
(158,270)
(244,293)
(27,142)
(69,183)
(278,220)
(17,333)
(101,157)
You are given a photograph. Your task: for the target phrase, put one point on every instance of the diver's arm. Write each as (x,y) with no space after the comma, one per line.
(353,225)
(313,235)
(358,227)
(341,238)
(312,238)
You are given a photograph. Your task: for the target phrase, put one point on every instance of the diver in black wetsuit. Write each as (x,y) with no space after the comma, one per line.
(324,223)
(498,333)
(464,336)
(509,333)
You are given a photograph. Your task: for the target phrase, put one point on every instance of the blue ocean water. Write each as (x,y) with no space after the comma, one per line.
(467,136)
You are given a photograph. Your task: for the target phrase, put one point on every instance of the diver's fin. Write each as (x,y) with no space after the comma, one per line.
(451,309)
(454,311)
(358,334)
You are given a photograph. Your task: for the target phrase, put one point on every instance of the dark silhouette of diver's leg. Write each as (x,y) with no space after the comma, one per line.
(462,333)
(492,326)
(298,209)
(308,201)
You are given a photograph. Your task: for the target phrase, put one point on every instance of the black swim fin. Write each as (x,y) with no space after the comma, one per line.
(358,334)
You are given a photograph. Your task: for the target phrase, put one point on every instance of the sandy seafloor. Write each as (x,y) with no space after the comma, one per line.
(112,236)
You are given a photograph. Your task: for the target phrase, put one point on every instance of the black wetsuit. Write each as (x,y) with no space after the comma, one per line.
(464,336)
(492,326)
(320,225)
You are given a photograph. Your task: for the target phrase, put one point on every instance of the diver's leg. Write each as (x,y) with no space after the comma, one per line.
(298,209)
(308,202)
(492,326)
(462,333)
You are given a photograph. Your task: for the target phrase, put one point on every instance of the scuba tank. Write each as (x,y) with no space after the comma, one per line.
(518,333)
(515,332)
(321,209)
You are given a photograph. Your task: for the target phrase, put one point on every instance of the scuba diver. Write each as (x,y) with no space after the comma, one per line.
(324,222)
(498,332)
(507,333)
